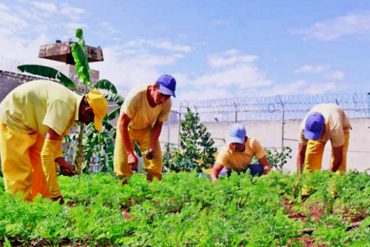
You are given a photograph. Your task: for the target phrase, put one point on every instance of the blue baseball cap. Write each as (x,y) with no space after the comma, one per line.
(167,84)
(237,134)
(314,126)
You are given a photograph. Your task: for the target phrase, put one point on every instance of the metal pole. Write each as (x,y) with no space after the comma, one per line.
(282,121)
(368,104)
(168,128)
(236,112)
(282,126)
(178,134)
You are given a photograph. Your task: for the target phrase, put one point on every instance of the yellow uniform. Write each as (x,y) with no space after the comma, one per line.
(240,161)
(337,128)
(143,117)
(26,114)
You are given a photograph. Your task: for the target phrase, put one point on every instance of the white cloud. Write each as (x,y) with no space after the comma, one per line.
(24,27)
(302,87)
(350,24)
(71,12)
(3,7)
(108,28)
(239,77)
(48,7)
(231,75)
(163,45)
(141,66)
(166,45)
(72,26)
(10,20)
(128,71)
(312,69)
(229,58)
(325,71)
(334,75)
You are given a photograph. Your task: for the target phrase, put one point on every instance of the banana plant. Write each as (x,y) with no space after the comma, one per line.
(94,142)
(99,146)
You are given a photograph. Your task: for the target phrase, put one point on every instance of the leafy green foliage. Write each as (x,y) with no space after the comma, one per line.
(106,85)
(196,149)
(47,72)
(186,209)
(98,146)
(80,56)
(278,159)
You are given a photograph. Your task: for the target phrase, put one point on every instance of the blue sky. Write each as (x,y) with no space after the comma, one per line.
(215,49)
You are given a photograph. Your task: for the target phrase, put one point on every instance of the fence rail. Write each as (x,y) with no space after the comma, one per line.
(356,105)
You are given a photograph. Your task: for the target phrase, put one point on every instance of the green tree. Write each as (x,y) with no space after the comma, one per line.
(196,149)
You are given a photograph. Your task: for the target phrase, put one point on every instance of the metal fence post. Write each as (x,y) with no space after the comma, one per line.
(368,104)
(168,128)
(282,121)
(178,134)
(236,112)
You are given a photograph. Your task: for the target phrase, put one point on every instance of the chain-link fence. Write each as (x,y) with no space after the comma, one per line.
(274,120)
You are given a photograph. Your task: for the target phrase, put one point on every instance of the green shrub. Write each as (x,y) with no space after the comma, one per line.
(196,149)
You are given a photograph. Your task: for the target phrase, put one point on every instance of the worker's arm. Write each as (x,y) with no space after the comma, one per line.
(48,154)
(338,158)
(265,164)
(123,128)
(216,169)
(156,132)
(300,157)
(65,167)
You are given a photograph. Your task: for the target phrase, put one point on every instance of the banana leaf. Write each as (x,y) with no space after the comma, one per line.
(106,85)
(80,56)
(47,72)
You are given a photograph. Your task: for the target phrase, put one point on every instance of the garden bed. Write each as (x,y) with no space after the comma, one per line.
(186,209)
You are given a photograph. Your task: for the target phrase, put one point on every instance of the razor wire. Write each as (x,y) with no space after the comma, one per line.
(293,107)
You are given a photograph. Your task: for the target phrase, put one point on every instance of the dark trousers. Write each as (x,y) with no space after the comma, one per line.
(255,170)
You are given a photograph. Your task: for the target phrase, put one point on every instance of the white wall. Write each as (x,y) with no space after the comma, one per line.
(269,134)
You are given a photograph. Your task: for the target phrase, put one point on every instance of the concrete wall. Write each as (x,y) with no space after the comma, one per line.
(10,80)
(269,133)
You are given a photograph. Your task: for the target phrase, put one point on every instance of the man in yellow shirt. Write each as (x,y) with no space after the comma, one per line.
(238,153)
(142,115)
(34,118)
(322,123)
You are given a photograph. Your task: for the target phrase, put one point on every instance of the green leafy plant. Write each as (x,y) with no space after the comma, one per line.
(279,159)
(231,212)
(48,72)
(196,149)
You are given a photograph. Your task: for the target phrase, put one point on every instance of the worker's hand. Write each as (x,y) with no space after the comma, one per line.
(332,168)
(266,169)
(66,168)
(149,154)
(132,161)
(58,198)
